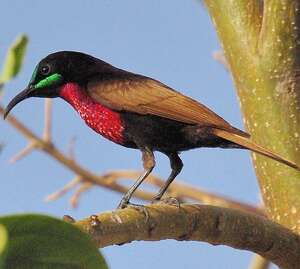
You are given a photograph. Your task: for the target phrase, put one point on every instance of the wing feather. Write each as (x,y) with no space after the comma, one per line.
(148,96)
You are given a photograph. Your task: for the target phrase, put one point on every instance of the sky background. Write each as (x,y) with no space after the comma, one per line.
(170,40)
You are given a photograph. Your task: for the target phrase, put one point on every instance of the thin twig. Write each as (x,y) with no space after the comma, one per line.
(48,120)
(74,201)
(23,153)
(71,148)
(70,185)
(220,57)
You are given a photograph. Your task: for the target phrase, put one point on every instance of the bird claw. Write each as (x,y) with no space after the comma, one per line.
(124,204)
(168,201)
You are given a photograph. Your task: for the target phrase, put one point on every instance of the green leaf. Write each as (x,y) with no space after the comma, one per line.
(42,242)
(14,59)
(3,244)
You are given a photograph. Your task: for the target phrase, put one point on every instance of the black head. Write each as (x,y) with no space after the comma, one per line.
(57,69)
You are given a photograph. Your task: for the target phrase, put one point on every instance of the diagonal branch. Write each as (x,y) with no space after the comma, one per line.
(23,153)
(190,222)
(70,185)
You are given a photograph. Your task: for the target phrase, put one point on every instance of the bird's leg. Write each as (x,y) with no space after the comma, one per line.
(176,165)
(148,163)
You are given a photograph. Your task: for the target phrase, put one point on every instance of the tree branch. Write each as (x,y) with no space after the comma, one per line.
(191,222)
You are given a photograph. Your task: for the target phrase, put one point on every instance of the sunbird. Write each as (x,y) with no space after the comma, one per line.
(135,111)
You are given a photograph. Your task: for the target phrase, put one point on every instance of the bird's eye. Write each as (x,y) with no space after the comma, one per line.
(45,70)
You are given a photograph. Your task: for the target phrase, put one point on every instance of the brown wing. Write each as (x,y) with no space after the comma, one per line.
(148,96)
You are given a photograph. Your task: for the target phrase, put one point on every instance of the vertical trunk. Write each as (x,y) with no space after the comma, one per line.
(261,43)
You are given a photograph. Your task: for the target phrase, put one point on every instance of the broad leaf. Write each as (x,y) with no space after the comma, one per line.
(14,59)
(37,241)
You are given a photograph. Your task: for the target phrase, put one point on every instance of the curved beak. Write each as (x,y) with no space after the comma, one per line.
(19,98)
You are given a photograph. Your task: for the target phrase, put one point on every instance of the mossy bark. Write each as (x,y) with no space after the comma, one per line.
(261,42)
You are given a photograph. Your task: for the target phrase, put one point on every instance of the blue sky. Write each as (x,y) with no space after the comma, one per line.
(172,41)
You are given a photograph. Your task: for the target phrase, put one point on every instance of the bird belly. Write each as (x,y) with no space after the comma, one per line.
(98,117)
(167,135)
(154,132)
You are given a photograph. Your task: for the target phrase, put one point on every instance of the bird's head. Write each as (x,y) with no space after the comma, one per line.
(57,69)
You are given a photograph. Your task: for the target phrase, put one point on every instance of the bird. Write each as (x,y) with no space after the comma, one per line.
(135,111)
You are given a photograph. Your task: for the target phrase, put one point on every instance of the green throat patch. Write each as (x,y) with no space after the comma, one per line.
(49,81)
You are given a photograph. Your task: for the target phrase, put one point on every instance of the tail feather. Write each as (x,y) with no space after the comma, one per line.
(248,144)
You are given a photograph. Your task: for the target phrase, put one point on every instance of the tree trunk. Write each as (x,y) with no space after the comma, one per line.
(261,44)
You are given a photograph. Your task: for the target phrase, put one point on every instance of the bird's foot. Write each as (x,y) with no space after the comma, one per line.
(168,201)
(125,204)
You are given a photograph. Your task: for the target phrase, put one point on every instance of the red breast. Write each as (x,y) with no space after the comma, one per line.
(100,118)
